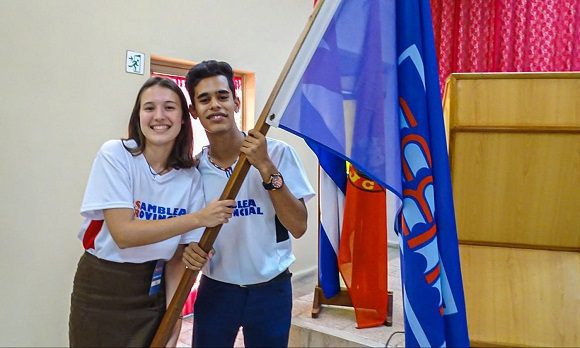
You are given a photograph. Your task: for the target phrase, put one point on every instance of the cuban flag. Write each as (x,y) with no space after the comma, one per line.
(332,191)
(364,88)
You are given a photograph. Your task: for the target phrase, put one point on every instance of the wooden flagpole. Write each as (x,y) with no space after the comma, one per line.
(230,191)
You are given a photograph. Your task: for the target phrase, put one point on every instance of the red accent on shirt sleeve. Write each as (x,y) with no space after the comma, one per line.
(91,233)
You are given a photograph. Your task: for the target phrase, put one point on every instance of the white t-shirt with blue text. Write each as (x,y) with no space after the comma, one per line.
(121,180)
(252,247)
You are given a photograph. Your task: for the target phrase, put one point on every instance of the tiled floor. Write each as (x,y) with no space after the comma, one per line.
(301,286)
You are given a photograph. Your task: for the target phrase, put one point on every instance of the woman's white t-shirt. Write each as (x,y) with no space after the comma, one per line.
(121,180)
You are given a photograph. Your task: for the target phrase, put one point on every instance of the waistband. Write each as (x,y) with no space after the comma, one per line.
(286,274)
(124,266)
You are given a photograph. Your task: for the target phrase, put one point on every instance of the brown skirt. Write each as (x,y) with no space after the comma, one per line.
(111,306)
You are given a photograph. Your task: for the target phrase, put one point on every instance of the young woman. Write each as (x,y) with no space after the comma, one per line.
(143,200)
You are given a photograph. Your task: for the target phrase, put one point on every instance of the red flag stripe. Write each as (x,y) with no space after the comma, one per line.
(431,276)
(422,238)
(407,111)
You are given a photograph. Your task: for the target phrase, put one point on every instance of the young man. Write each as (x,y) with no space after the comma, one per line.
(247,282)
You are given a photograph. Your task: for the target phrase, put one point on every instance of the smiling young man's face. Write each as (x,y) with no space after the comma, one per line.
(214,105)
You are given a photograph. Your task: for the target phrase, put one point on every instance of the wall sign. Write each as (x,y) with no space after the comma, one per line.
(135,62)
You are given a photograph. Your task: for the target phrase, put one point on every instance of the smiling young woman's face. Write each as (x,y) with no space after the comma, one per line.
(160,116)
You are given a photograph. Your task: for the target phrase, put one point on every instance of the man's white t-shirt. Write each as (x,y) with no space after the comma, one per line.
(253,247)
(121,180)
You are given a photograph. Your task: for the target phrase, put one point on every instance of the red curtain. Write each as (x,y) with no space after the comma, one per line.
(506,35)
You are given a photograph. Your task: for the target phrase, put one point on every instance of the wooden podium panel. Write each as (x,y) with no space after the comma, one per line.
(521,297)
(514,148)
(516,99)
(518,189)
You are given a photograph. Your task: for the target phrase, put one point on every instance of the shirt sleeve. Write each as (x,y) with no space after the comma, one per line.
(197,202)
(294,175)
(109,184)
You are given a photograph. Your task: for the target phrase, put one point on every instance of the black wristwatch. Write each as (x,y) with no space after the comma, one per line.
(276,182)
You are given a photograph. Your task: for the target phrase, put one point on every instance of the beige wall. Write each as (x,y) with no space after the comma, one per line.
(65,92)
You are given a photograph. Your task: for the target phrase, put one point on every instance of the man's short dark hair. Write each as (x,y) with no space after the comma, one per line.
(205,69)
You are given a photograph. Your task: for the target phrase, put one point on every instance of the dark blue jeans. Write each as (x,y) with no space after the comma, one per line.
(264,312)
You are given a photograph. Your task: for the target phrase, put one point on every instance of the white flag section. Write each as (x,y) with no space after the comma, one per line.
(302,59)
(331,217)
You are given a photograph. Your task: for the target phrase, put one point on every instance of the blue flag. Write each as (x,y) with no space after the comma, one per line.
(428,238)
(364,88)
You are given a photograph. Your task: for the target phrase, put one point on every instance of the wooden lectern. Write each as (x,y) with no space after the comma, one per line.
(514,147)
